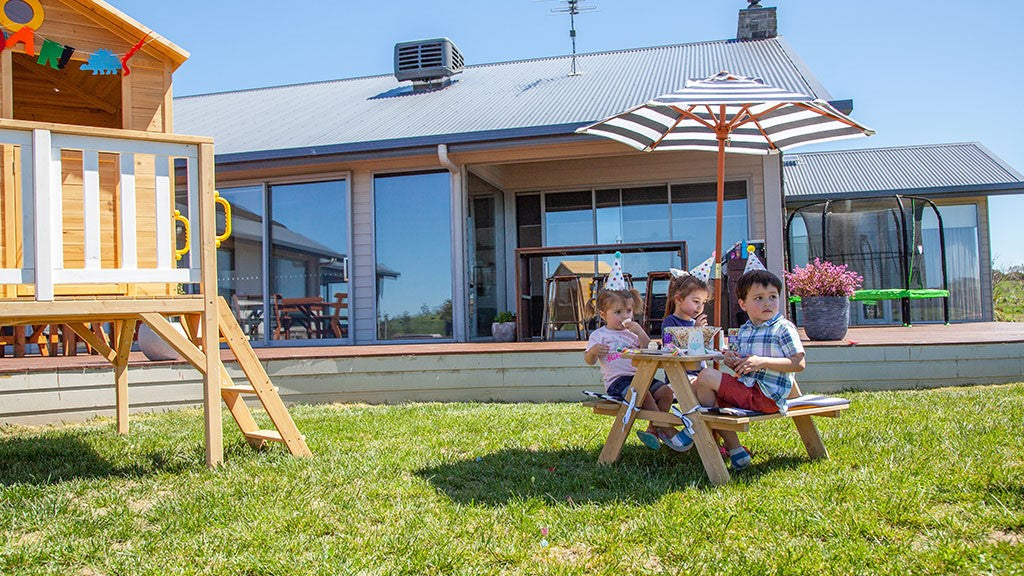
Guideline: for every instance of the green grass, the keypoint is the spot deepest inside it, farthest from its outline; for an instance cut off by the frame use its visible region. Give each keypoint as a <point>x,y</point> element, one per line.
<point>919,482</point>
<point>1008,294</point>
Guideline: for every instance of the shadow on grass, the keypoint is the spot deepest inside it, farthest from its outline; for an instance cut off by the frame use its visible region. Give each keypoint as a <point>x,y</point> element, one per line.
<point>50,459</point>
<point>573,476</point>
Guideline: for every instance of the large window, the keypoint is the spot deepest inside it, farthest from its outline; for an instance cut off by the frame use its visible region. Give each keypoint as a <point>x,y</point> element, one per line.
<point>643,214</point>
<point>286,277</point>
<point>413,247</point>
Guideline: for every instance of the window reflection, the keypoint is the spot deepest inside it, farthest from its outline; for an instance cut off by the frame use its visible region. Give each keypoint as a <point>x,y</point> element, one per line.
<point>307,260</point>
<point>308,255</point>
<point>412,235</point>
<point>693,217</point>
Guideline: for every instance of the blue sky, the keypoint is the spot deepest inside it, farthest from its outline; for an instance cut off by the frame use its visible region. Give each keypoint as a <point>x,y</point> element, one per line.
<point>918,72</point>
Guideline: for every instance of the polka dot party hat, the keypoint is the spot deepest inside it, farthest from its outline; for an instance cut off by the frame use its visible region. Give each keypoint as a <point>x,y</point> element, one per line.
<point>753,262</point>
<point>615,280</point>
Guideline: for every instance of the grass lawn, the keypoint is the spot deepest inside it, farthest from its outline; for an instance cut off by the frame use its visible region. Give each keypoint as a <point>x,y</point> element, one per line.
<point>919,482</point>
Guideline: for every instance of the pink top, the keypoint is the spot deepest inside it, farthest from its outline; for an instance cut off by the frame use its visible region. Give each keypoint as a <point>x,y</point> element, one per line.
<point>614,366</point>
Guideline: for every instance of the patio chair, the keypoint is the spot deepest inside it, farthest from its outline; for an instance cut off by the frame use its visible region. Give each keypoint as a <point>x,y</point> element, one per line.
<point>655,302</point>
<point>564,305</point>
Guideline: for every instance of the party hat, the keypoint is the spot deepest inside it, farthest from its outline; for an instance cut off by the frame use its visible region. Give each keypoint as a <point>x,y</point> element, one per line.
<point>615,280</point>
<point>703,270</point>
<point>753,262</point>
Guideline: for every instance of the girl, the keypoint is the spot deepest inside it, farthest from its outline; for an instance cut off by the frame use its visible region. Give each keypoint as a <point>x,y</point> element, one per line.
<point>616,309</point>
<point>684,305</point>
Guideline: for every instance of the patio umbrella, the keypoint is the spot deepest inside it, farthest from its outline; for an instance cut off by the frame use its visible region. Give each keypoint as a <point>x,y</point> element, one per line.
<point>730,113</point>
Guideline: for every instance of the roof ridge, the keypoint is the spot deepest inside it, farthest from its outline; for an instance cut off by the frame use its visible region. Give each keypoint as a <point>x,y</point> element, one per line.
<point>876,149</point>
<point>482,65</point>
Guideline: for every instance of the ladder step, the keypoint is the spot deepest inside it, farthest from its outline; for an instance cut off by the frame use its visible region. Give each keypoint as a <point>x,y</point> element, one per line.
<point>241,389</point>
<point>269,435</point>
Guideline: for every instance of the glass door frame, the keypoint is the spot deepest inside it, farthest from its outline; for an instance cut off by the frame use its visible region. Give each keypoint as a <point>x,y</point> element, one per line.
<point>498,197</point>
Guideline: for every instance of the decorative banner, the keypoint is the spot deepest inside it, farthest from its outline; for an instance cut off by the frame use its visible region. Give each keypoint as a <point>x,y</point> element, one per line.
<point>134,49</point>
<point>26,16</point>
<point>103,62</point>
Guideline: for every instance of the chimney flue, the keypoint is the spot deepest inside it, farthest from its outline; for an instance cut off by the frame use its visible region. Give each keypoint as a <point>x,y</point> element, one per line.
<point>757,21</point>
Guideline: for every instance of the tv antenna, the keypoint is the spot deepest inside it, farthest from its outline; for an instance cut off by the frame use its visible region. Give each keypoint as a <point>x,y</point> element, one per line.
<point>573,8</point>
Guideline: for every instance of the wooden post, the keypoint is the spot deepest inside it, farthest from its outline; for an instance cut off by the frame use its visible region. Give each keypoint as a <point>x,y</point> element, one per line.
<point>210,333</point>
<point>124,346</point>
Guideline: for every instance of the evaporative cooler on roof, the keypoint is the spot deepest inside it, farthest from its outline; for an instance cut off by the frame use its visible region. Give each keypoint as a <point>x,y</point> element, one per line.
<point>427,60</point>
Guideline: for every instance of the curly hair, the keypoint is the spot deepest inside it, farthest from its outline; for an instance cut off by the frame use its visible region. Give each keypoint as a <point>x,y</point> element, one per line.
<point>608,298</point>
<point>683,286</point>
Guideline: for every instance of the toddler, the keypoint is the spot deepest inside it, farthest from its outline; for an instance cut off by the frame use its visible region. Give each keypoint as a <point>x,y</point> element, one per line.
<point>616,309</point>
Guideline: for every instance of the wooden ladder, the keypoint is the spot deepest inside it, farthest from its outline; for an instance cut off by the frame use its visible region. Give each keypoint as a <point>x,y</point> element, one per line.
<point>260,386</point>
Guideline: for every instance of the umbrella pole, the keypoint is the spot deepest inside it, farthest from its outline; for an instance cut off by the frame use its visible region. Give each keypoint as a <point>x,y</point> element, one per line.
<point>720,201</point>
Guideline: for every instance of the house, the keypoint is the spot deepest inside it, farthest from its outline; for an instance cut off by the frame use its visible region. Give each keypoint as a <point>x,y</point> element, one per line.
<point>441,171</point>
<point>957,178</point>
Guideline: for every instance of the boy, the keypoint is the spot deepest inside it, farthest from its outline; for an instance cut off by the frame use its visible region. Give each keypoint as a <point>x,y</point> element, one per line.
<point>767,353</point>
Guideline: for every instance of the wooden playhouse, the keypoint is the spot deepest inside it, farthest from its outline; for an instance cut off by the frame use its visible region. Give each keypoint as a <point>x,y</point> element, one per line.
<point>108,216</point>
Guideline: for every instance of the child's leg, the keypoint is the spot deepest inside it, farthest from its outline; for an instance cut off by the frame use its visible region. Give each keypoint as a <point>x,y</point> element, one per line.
<point>663,400</point>
<point>706,386</point>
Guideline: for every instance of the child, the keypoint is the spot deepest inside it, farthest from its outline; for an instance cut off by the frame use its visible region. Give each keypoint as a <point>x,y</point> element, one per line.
<point>684,305</point>
<point>767,354</point>
<point>620,331</point>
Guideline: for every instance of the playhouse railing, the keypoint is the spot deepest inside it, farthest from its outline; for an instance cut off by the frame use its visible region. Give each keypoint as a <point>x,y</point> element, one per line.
<point>42,206</point>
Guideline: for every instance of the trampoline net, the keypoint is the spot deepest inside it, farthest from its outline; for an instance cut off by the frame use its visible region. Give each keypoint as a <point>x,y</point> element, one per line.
<point>870,237</point>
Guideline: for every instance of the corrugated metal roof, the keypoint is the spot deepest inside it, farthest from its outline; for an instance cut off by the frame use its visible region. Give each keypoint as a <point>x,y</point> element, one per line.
<point>935,169</point>
<point>486,102</point>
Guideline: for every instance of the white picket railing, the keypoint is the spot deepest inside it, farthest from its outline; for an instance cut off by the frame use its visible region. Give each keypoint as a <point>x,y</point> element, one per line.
<point>43,208</point>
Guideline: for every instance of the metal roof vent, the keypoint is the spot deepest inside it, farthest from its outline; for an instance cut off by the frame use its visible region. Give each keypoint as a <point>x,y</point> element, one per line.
<point>427,61</point>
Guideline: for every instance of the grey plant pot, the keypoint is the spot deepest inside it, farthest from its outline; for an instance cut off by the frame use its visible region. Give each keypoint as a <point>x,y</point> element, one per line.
<point>503,331</point>
<point>825,317</point>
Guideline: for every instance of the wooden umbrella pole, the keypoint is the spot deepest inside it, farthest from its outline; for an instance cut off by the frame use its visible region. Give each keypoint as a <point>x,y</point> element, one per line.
<point>722,133</point>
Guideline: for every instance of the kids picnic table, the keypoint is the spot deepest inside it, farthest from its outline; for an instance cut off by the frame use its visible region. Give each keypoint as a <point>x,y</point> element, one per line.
<point>647,365</point>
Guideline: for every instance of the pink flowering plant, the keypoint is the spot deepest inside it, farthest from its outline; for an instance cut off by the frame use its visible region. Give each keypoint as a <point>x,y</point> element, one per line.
<point>822,278</point>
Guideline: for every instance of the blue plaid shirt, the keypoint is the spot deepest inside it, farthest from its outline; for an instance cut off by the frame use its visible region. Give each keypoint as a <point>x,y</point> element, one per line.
<point>776,338</point>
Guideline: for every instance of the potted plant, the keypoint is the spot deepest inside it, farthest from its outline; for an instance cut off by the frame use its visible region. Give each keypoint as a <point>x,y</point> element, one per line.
<point>504,327</point>
<point>824,290</point>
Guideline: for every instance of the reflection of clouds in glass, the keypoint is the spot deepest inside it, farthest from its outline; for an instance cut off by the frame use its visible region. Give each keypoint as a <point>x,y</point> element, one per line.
<point>413,237</point>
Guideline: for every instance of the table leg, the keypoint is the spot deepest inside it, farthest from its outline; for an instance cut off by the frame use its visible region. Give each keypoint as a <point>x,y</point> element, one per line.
<point>710,457</point>
<point>623,422</point>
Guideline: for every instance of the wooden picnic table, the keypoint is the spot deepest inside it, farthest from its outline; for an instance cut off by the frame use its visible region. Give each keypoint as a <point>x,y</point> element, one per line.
<point>647,365</point>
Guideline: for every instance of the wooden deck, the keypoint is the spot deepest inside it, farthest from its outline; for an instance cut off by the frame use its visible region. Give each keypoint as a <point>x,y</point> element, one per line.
<point>38,389</point>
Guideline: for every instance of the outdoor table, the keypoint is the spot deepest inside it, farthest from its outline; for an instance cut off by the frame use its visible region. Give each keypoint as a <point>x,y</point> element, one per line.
<point>647,365</point>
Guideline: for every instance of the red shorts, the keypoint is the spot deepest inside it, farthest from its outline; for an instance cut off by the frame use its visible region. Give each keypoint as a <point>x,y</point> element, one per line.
<point>735,394</point>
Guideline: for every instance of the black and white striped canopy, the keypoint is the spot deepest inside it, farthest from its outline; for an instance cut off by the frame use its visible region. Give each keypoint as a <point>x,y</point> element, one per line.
<point>757,118</point>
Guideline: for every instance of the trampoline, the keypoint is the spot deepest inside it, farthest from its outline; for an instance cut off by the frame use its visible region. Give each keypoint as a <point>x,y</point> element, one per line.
<point>878,237</point>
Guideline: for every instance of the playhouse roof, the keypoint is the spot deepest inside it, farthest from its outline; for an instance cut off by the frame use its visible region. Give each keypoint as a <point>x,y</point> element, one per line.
<point>130,29</point>
<point>932,169</point>
<point>486,102</point>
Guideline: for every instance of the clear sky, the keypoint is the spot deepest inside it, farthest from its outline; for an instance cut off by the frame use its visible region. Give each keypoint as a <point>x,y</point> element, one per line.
<point>917,72</point>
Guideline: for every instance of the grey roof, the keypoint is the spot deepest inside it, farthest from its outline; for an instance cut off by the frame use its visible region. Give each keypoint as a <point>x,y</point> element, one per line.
<point>934,169</point>
<point>486,102</point>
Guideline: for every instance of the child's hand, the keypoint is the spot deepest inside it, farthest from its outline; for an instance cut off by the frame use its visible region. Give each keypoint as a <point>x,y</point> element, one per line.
<point>701,320</point>
<point>600,350</point>
<point>732,359</point>
<point>750,364</point>
<point>632,327</point>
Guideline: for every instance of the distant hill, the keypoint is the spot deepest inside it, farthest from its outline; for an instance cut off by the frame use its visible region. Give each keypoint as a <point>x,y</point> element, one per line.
<point>1008,294</point>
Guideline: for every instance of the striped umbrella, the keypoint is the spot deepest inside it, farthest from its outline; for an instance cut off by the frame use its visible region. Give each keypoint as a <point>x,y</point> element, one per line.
<point>727,113</point>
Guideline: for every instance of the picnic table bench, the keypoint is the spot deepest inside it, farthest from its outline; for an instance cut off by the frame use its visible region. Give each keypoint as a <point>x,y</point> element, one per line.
<point>802,408</point>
